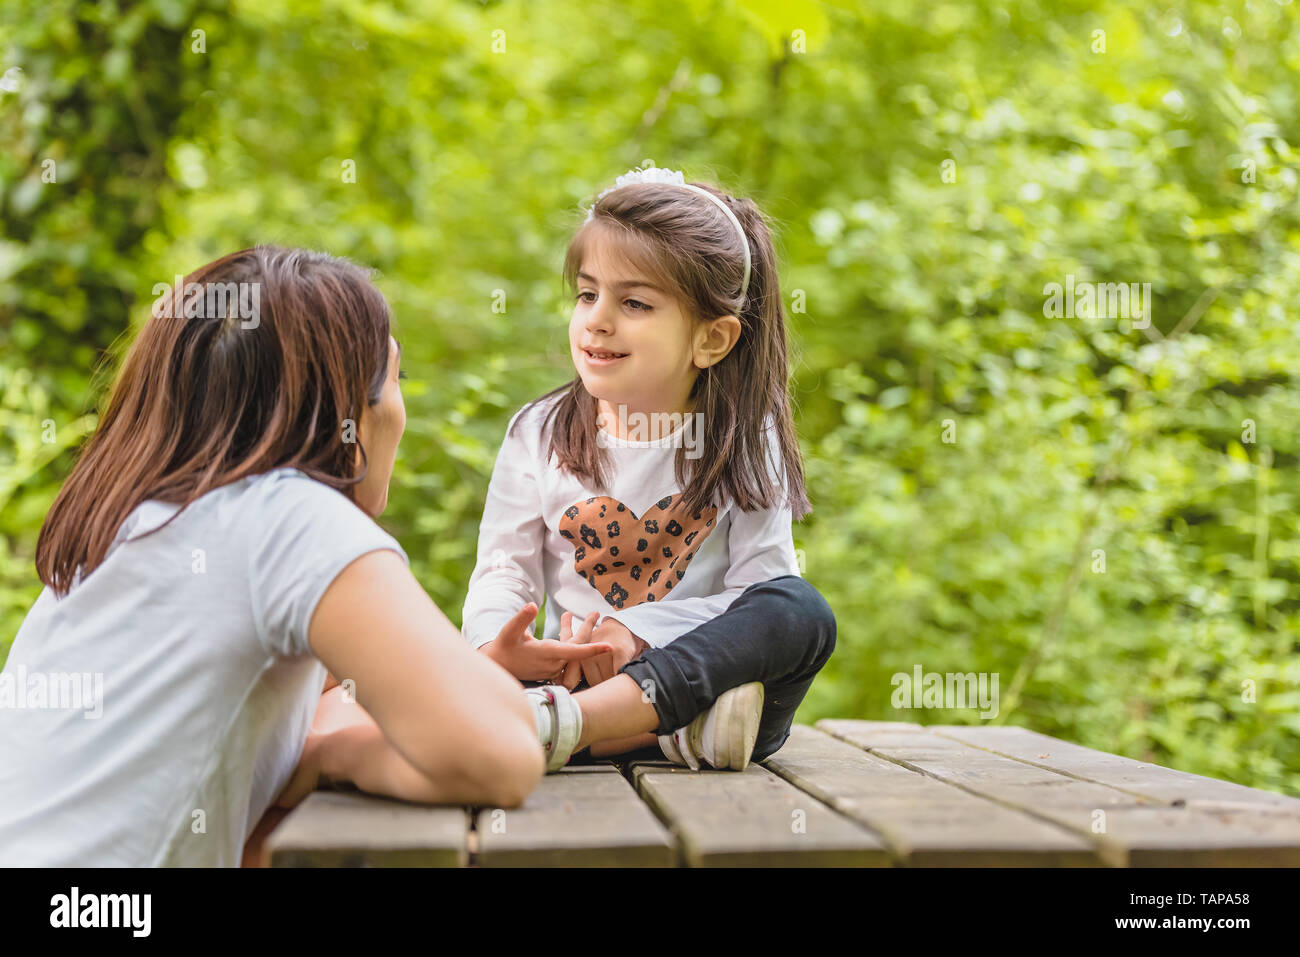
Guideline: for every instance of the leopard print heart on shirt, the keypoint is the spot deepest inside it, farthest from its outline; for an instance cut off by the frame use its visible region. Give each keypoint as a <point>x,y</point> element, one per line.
<point>629,559</point>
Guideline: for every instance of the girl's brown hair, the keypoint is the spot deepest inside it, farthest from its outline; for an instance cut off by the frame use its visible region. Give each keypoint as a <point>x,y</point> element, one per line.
<point>208,394</point>
<point>685,241</point>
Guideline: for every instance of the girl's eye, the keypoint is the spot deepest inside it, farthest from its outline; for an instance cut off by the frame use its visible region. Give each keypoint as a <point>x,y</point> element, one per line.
<point>582,296</point>
<point>637,304</point>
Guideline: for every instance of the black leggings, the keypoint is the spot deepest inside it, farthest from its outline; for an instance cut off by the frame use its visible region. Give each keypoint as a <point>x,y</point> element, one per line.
<point>780,632</point>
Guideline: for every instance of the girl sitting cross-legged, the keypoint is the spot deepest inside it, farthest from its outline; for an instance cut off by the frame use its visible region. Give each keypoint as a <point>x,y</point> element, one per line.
<point>649,501</point>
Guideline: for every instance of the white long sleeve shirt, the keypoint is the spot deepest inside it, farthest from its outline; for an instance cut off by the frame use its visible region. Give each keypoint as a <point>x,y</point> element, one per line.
<point>633,554</point>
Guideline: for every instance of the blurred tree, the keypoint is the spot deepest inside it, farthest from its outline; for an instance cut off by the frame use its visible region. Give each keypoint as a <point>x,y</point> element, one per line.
<point>92,95</point>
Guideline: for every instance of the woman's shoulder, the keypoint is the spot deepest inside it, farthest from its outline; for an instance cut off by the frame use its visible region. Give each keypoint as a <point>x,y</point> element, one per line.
<point>245,502</point>
<point>284,484</point>
<point>289,480</point>
<point>300,533</point>
<point>283,497</point>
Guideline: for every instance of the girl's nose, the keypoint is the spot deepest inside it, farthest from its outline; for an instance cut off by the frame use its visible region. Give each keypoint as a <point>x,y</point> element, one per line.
<point>600,317</point>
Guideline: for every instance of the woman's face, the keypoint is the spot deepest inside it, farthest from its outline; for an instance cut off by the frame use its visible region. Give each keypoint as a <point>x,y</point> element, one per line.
<point>379,431</point>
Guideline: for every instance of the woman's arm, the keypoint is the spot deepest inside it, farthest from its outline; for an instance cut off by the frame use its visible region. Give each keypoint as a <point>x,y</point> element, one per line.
<point>347,744</point>
<point>449,726</point>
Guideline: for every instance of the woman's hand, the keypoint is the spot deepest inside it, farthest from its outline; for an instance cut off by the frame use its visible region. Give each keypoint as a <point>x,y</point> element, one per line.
<point>336,709</point>
<point>306,776</point>
<point>305,779</point>
<point>516,650</point>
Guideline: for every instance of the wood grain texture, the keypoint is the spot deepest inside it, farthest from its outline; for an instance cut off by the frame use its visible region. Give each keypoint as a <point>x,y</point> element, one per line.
<point>1152,781</point>
<point>848,793</point>
<point>352,829</point>
<point>753,818</point>
<point>586,816</point>
<point>1128,830</point>
<point>924,821</point>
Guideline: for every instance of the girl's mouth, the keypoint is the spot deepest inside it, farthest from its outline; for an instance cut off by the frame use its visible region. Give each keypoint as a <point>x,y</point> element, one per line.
<point>603,357</point>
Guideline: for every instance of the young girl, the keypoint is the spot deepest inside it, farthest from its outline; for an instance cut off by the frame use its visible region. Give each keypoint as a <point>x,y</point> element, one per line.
<point>652,496</point>
<point>213,552</point>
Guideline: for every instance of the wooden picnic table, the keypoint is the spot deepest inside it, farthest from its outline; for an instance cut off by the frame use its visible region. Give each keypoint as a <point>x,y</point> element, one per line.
<point>842,793</point>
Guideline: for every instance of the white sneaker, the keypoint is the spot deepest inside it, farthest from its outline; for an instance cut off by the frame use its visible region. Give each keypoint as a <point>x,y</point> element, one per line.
<point>722,737</point>
<point>559,723</point>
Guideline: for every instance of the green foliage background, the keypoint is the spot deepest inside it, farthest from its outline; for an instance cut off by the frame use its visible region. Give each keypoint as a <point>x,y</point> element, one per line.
<point>1167,157</point>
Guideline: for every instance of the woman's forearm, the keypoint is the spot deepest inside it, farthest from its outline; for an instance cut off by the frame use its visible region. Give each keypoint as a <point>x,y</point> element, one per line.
<point>361,754</point>
<point>463,729</point>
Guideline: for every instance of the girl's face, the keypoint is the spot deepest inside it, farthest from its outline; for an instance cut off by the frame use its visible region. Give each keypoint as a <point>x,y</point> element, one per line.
<point>632,342</point>
<point>380,428</point>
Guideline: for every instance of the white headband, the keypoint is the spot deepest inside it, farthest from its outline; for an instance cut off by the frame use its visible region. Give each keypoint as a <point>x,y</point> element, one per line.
<point>670,177</point>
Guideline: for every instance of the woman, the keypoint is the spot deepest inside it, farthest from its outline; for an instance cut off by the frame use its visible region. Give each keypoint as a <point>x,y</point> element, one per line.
<point>211,555</point>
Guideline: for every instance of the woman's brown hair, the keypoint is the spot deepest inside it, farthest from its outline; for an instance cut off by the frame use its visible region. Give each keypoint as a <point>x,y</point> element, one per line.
<point>211,392</point>
<point>684,240</point>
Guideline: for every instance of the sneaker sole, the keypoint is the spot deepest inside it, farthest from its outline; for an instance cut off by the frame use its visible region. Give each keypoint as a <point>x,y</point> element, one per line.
<point>727,734</point>
<point>676,750</point>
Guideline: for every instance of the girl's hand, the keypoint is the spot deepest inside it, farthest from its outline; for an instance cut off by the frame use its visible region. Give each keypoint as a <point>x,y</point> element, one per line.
<point>572,672</point>
<point>625,647</point>
<point>528,659</point>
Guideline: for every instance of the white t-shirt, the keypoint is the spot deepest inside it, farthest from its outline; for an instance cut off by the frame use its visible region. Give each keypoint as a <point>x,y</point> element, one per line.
<point>631,553</point>
<point>179,684</point>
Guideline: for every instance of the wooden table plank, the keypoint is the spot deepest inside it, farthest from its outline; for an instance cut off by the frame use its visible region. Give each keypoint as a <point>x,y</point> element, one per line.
<point>753,819</point>
<point>924,821</point>
<point>353,829</point>
<point>1129,830</point>
<point>1152,781</point>
<point>586,816</point>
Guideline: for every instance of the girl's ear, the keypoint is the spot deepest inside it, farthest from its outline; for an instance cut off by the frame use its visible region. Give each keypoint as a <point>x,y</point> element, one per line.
<point>714,339</point>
